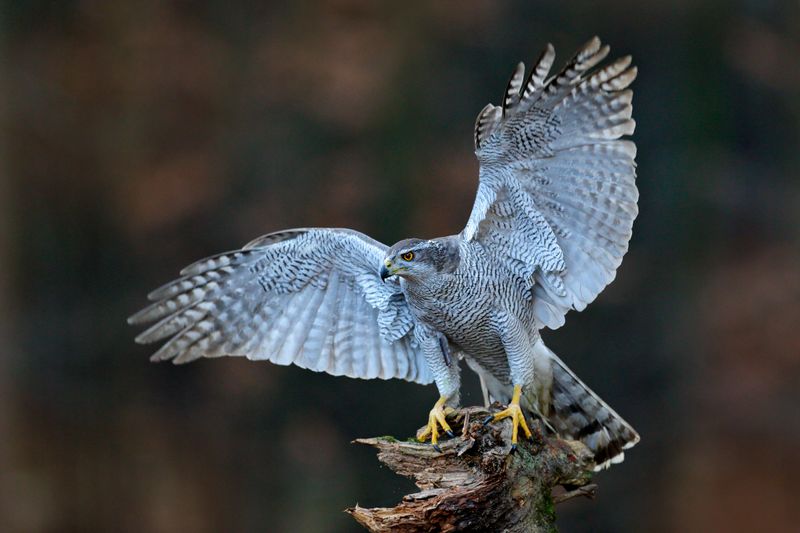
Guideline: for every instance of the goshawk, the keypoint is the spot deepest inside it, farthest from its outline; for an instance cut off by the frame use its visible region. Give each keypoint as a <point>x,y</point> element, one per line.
<point>551,221</point>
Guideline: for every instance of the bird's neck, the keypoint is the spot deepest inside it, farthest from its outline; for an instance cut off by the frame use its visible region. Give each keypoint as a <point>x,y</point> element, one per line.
<point>417,289</point>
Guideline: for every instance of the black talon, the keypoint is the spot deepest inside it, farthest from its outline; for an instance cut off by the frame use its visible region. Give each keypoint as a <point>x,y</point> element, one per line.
<point>449,433</point>
<point>513,448</point>
<point>436,447</point>
<point>488,419</point>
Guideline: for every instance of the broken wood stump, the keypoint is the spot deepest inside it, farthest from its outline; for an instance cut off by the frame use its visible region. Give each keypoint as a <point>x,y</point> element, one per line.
<point>477,483</point>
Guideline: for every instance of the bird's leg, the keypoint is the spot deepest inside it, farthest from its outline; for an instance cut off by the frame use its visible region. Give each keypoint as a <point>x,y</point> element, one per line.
<point>513,411</point>
<point>436,418</point>
<point>445,370</point>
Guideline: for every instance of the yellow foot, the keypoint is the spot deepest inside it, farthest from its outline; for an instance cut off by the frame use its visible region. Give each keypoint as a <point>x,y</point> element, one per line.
<point>436,418</point>
<point>514,412</point>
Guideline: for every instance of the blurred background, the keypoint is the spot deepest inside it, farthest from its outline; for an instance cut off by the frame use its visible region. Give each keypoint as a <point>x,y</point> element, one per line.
<point>140,136</point>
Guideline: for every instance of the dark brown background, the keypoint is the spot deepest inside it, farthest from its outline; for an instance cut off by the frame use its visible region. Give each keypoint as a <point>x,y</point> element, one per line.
<point>140,136</point>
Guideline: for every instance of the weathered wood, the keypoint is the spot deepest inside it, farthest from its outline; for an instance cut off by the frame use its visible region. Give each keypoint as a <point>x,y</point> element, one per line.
<point>477,483</point>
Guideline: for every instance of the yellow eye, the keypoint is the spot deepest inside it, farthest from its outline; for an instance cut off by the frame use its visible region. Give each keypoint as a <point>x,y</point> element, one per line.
<point>408,256</point>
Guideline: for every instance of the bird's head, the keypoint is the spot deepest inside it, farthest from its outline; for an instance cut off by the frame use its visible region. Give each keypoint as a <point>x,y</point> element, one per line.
<point>418,259</point>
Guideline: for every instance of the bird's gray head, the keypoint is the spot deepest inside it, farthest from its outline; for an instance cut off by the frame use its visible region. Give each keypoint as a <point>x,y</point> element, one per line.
<point>418,259</point>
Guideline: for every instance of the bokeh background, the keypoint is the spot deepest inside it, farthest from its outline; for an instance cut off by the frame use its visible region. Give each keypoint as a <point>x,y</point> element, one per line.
<point>140,136</point>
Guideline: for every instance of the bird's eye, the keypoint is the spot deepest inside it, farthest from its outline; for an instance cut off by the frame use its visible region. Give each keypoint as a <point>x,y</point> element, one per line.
<point>408,256</point>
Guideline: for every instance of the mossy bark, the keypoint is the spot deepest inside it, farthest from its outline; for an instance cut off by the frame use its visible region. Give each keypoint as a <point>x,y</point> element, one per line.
<point>477,483</point>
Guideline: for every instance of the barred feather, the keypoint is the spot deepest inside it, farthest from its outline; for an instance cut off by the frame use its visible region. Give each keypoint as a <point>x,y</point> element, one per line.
<point>566,405</point>
<point>512,96</point>
<point>577,413</point>
<point>538,74</point>
<point>309,297</point>
<point>560,142</point>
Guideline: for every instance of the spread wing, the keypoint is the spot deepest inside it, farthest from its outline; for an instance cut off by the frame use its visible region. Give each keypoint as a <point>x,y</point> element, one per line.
<point>557,194</point>
<point>309,297</point>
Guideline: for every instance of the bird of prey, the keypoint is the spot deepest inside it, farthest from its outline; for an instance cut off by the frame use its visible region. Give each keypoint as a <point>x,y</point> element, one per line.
<point>551,222</point>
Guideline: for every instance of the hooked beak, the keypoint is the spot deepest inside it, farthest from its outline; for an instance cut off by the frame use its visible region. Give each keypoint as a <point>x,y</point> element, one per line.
<point>385,273</point>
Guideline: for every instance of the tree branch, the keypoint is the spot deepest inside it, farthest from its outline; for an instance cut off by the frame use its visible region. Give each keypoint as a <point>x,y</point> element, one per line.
<point>477,483</point>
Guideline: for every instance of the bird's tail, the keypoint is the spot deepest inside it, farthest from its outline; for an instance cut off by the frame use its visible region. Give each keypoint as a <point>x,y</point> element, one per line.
<point>567,406</point>
<point>577,413</point>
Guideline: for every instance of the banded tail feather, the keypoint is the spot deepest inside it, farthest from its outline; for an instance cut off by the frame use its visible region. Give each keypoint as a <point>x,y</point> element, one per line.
<point>576,412</point>
<point>566,406</point>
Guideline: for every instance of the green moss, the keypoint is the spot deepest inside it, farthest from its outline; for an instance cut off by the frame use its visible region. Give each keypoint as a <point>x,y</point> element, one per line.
<point>546,512</point>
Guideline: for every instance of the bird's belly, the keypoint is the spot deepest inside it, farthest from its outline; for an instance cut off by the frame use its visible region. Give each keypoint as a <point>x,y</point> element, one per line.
<point>484,347</point>
<point>469,326</point>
